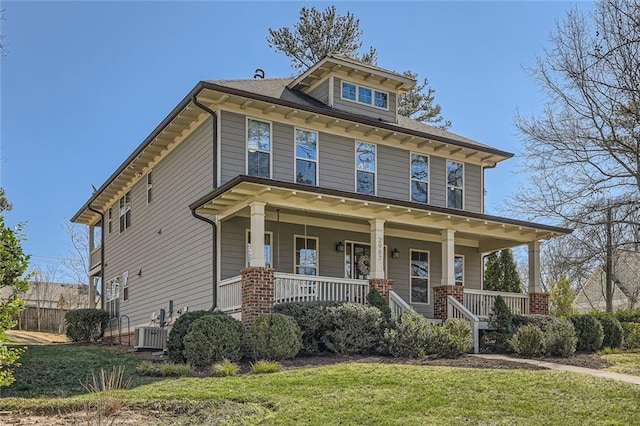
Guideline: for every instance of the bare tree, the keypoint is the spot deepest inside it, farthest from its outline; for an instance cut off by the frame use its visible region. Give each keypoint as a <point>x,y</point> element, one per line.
<point>583,152</point>
<point>76,262</point>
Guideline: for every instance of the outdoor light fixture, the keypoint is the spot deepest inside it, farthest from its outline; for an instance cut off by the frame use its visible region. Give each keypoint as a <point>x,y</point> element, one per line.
<point>340,247</point>
<point>395,253</point>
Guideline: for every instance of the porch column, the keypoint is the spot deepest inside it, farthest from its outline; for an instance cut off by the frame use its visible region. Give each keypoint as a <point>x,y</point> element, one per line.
<point>448,254</point>
<point>377,249</point>
<point>257,234</point>
<point>534,267</point>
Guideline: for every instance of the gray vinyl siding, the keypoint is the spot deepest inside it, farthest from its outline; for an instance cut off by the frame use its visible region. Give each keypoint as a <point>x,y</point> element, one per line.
<point>472,267</point>
<point>473,188</point>
<point>438,181</point>
<point>363,109</point>
<point>171,248</point>
<point>232,146</point>
<point>337,162</point>
<point>321,92</point>
<point>283,147</point>
<point>393,172</point>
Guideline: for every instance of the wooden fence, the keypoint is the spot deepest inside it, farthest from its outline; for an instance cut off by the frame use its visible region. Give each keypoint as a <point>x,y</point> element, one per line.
<point>51,320</point>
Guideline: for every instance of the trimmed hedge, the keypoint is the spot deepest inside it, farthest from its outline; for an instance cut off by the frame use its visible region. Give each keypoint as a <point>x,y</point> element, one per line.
<point>274,337</point>
<point>313,320</point>
<point>588,331</point>
<point>353,329</point>
<point>559,333</point>
<point>612,331</point>
<point>528,341</point>
<point>212,338</point>
<point>86,325</point>
<point>631,334</point>
<point>627,315</point>
<point>410,337</point>
<point>458,338</point>
<point>175,341</point>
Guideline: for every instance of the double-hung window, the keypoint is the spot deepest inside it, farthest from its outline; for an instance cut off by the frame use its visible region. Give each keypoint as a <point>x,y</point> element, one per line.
<point>125,211</point>
<point>258,148</point>
<point>458,269</point>
<point>268,237</point>
<point>364,95</point>
<point>112,297</point>
<point>109,217</point>
<point>365,168</point>
<point>419,178</point>
<point>419,271</point>
<point>149,187</point>
<point>455,184</point>
<point>306,157</point>
<point>306,255</point>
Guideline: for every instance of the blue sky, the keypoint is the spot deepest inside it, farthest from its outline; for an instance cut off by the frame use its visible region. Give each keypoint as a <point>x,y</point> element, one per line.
<point>83,83</point>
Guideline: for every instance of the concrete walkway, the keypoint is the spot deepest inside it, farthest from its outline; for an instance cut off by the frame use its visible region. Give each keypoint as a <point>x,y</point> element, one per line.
<point>572,368</point>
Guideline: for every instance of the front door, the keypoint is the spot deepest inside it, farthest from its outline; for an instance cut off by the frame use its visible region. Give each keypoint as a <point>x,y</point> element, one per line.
<point>357,260</point>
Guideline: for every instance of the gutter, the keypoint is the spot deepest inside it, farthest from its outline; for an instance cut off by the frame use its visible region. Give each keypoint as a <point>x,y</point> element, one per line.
<point>214,226</point>
<point>102,265</point>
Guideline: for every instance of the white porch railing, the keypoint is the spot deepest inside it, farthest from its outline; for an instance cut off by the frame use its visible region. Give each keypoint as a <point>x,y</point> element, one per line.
<point>480,302</point>
<point>230,294</point>
<point>303,288</point>
<point>397,305</point>
<point>455,309</point>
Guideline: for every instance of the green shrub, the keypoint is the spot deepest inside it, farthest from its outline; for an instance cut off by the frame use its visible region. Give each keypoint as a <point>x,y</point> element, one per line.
<point>375,299</point>
<point>175,341</point>
<point>542,321</point>
<point>560,338</point>
<point>264,367</point>
<point>86,325</point>
<point>457,338</point>
<point>213,338</point>
<point>225,368</point>
<point>588,331</point>
<point>410,336</point>
<point>528,341</point>
<point>612,331</point>
<point>313,320</point>
<point>163,369</point>
<point>627,315</point>
<point>353,329</point>
<point>501,322</point>
<point>274,337</point>
<point>631,334</point>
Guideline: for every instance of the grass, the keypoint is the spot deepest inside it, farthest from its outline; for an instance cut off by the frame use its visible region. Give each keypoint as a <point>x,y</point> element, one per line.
<point>381,394</point>
<point>626,362</point>
<point>264,367</point>
<point>163,369</point>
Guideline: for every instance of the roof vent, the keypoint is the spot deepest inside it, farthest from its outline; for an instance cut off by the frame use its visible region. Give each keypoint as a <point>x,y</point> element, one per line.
<point>259,73</point>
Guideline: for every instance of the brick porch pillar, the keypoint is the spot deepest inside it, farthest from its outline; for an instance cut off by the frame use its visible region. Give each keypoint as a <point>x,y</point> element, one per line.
<point>440,299</point>
<point>382,286</point>
<point>539,303</point>
<point>257,293</point>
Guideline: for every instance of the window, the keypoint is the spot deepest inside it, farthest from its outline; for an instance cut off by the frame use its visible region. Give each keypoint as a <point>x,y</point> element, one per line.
<point>455,184</point>
<point>306,255</point>
<point>306,157</point>
<point>149,187</point>
<point>259,148</point>
<point>112,297</point>
<point>419,276</point>
<point>419,178</point>
<point>458,269</point>
<point>125,211</point>
<point>109,221</point>
<point>125,285</point>
<point>365,168</point>
<point>365,95</point>
<point>268,237</point>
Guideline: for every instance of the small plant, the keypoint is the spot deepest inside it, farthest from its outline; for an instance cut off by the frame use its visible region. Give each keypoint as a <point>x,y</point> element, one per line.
<point>86,325</point>
<point>264,367</point>
<point>164,369</point>
<point>631,334</point>
<point>225,368</point>
<point>528,341</point>
<point>104,387</point>
<point>354,329</point>
<point>588,331</point>
<point>213,338</point>
<point>274,337</point>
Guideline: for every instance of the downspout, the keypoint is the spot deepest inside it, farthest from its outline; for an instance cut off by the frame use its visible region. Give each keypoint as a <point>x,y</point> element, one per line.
<point>214,227</point>
<point>102,265</point>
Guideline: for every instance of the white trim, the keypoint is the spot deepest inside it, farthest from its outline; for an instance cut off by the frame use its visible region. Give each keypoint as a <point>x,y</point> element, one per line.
<point>246,248</point>
<point>246,145</point>
<point>375,166</point>
<point>295,263</point>
<point>482,189</point>
<point>296,158</point>
<point>357,99</point>
<point>446,181</point>
<point>411,179</point>
<point>411,276</point>
<point>109,221</point>
<point>331,89</point>
<point>218,154</point>
<point>463,269</point>
<point>125,285</point>
<point>150,186</point>
<point>218,246</point>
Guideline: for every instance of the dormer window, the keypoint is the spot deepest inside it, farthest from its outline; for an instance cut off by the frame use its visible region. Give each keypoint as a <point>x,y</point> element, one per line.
<point>365,95</point>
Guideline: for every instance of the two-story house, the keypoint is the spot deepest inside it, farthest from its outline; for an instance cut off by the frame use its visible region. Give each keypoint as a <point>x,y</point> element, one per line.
<point>254,192</point>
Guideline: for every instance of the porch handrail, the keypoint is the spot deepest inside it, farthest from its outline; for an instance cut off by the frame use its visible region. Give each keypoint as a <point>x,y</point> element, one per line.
<point>398,305</point>
<point>481,302</point>
<point>455,309</point>
<point>230,294</point>
<point>303,288</point>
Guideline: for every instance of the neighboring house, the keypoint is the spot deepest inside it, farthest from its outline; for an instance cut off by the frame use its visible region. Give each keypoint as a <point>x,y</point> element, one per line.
<point>626,289</point>
<point>258,191</point>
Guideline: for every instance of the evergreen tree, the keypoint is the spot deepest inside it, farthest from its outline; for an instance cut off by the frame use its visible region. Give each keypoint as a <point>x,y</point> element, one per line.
<point>561,297</point>
<point>319,33</point>
<point>501,273</point>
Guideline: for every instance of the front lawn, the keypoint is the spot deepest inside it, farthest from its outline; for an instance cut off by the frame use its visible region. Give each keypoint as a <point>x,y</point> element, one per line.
<point>627,362</point>
<point>358,393</point>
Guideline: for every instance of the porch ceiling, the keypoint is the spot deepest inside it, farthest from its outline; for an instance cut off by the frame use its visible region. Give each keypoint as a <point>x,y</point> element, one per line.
<point>403,218</point>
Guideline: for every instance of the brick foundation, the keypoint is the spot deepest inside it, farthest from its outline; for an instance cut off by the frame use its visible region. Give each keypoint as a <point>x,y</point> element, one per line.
<point>440,299</point>
<point>257,293</point>
<point>539,303</point>
<point>382,286</point>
